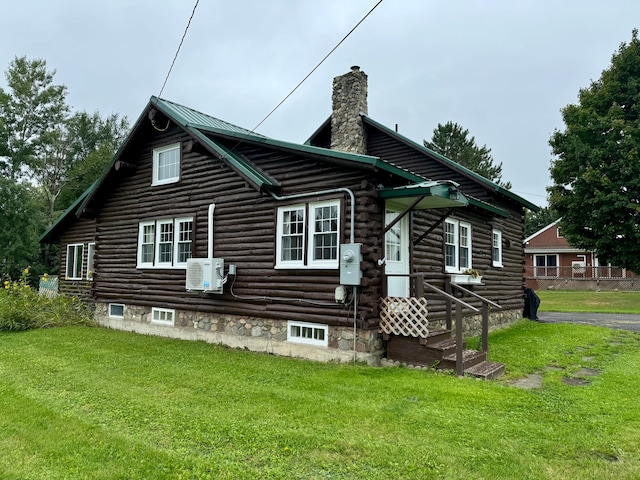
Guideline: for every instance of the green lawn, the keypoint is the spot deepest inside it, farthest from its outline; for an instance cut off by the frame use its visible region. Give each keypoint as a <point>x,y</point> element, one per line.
<point>82,402</point>
<point>589,301</point>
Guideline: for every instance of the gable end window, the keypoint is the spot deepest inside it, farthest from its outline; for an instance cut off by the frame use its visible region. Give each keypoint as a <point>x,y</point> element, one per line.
<point>75,252</point>
<point>457,246</point>
<point>165,243</point>
<point>496,249</point>
<point>166,164</point>
<point>308,235</point>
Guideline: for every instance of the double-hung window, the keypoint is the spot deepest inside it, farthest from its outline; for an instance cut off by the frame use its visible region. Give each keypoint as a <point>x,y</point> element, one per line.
<point>75,253</point>
<point>308,235</point>
<point>496,249</point>
<point>166,164</point>
<point>165,243</point>
<point>457,246</point>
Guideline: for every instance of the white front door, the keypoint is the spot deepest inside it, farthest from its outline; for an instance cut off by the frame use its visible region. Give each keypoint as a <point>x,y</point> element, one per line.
<point>396,251</point>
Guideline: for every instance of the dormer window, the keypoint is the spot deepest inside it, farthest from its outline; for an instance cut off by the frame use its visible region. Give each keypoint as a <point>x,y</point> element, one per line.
<point>166,164</point>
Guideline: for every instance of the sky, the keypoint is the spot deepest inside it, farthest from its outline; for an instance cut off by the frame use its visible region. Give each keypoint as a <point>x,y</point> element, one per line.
<point>502,69</point>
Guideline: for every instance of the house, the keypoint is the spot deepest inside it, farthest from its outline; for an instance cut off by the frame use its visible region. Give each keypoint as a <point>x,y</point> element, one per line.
<point>551,262</point>
<point>200,229</point>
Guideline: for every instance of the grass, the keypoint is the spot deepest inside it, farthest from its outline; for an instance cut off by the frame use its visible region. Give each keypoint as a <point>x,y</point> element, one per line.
<point>81,402</point>
<point>589,301</point>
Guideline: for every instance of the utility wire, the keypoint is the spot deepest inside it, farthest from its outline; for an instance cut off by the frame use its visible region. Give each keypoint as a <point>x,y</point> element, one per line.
<point>179,47</point>
<point>316,67</point>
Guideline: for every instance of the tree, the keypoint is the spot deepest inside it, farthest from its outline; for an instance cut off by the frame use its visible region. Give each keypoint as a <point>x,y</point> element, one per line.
<point>21,222</point>
<point>32,108</point>
<point>452,141</point>
<point>94,142</point>
<point>596,172</point>
<point>74,155</point>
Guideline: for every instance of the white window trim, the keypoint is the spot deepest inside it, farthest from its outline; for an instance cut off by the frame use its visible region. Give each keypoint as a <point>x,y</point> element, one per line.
<point>156,159</point>
<point>157,261</point>
<point>279,235</point>
<point>174,264</point>
<point>456,268</point>
<point>91,251</point>
<point>307,261</point>
<point>496,263</point>
<point>111,315</point>
<point>307,341</point>
<point>69,275</point>
<point>166,323</point>
<point>312,263</point>
<point>176,239</point>
<point>141,226</point>
<point>545,269</point>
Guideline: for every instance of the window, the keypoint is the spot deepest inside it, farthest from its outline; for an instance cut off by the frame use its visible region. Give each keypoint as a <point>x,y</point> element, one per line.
<point>166,164</point>
<point>496,249</point>
<point>75,253</point>
<point>323,250</point>
<point>116,310</point>
<point>546,265</point>
<point>307,235</point>
<point>291,223</point>
<point>165,243</point>
<point>309,333</point>
<point>457,246</point>
<point>162,316</point>
<point>91,250</point>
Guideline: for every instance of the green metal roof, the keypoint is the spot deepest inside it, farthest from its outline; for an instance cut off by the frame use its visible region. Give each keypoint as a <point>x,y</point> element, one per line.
<point>454,165</point>
<point>438,194</point>
<point>187,116</point>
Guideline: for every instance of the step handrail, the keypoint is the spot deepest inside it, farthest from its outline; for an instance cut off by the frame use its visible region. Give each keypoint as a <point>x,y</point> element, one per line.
<point>485,314</point>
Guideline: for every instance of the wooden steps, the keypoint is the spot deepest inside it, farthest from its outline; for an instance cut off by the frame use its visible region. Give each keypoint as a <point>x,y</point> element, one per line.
<point>439,350</point>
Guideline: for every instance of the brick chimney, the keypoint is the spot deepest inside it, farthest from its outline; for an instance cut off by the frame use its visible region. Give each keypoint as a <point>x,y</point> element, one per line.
<point>349,99</point>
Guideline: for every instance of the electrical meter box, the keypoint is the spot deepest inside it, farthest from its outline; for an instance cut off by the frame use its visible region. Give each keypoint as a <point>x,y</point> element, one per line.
<point>350,258</point>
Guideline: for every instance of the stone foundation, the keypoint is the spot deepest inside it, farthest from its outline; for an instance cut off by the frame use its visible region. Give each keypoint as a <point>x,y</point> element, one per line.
<point>252,333</point>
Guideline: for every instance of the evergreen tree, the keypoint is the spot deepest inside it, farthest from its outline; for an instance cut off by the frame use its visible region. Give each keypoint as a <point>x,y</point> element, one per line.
<point>453,142</point>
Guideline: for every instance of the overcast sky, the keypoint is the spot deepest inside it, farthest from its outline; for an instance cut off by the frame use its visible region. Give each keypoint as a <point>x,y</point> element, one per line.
<point>501,69</point>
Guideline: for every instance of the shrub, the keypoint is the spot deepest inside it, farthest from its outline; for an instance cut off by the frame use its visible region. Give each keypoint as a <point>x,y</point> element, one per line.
<point>22,308</point>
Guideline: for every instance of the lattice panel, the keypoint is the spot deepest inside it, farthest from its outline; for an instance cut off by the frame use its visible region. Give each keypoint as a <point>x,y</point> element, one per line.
<point>404,316</point>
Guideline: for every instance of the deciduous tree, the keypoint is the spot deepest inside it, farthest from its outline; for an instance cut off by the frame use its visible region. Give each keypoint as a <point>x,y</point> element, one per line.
<point>596,171</point>
<point>31,108</point>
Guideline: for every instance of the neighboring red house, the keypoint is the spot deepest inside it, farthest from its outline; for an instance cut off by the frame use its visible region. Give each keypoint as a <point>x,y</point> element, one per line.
<point>550,261</point>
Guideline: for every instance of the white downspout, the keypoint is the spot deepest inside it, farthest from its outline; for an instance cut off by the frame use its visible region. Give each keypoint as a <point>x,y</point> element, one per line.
<point>212,208</point>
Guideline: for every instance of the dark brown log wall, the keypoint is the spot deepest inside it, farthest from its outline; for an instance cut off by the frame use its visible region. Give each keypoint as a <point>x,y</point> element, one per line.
<point>244,235</point>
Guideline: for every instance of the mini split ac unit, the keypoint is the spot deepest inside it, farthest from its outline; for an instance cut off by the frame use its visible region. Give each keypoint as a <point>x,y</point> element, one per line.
<point>205,274</point>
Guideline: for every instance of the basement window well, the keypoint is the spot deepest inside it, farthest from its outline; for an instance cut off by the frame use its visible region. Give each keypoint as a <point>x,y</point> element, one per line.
<point>308,333</point>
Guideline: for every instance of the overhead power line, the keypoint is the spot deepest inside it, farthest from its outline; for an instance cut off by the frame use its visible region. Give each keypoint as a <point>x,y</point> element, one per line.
<point>179,47</point>
<point>316,67</point>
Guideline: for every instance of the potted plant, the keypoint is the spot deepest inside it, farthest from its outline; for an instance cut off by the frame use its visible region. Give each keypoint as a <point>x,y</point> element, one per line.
<point>470,276</point>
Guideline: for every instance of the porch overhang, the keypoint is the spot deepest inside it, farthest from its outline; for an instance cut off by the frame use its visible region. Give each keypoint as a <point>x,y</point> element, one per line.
<point>421,196</point>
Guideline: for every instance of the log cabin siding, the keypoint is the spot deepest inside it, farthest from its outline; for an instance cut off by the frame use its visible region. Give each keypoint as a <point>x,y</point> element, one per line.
<point>244,235</point>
